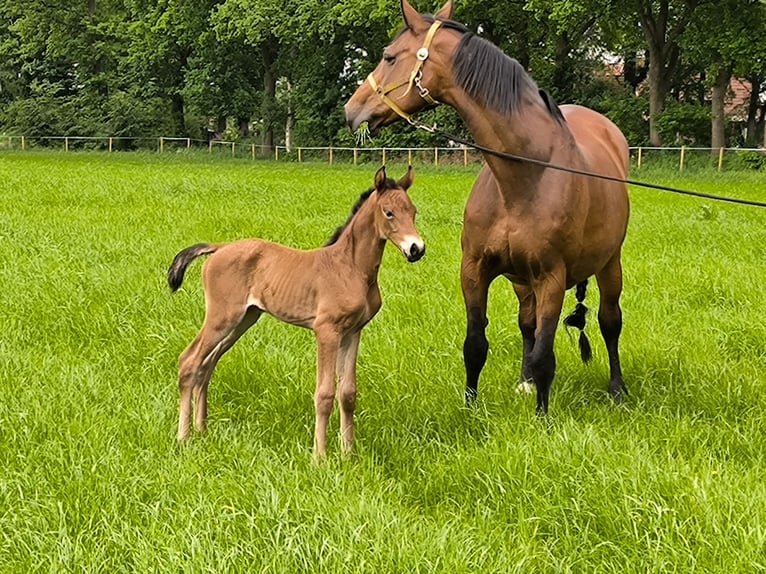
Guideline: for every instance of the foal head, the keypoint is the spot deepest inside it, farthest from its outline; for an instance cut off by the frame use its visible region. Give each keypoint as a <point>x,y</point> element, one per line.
<point>395,214</point>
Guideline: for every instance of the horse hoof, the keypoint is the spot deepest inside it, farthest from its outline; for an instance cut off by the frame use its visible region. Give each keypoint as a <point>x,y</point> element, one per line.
<point>525,388</point>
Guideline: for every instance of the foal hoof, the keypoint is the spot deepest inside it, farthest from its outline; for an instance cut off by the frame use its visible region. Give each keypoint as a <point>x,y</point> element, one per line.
<point>525,388</point>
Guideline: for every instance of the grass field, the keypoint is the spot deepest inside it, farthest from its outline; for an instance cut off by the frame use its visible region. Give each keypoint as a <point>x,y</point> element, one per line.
<point>91,478</point>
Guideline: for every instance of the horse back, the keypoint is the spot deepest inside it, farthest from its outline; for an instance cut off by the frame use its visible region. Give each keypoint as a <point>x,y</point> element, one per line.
<point>601,142</point>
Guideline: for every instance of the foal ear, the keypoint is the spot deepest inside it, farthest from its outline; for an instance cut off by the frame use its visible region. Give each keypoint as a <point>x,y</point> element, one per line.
<point>446,12</point>
<point>380,180</point>
<point>407,179</point>
<point>412,17</point>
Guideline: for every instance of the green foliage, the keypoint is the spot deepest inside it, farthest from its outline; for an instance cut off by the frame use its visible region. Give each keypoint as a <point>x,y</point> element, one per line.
<point>92,480</point>
<point>752,159</point>
<point>71,67</point>
<point>630,113</point>
<point>684,123</point>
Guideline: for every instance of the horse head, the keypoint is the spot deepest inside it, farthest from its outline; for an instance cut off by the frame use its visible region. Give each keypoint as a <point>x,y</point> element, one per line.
<point>395,214</point>
<point>412,74</point>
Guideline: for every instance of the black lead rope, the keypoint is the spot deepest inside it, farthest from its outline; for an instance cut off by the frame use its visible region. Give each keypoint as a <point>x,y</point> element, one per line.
<point>519,158</point>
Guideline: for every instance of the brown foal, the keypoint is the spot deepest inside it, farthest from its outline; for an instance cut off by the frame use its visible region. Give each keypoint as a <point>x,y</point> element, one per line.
<point>332,290</point>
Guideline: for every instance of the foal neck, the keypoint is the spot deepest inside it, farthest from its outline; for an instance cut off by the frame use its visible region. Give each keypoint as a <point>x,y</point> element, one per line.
<point>361,243</point>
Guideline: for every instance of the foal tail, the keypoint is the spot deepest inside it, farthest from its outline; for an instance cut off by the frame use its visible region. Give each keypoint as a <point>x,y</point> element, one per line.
<point>183,258</point>
<point>577,319</point>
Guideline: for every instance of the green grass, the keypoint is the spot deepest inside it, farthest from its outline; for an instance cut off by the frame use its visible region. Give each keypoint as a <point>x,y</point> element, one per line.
<point>91,478</point>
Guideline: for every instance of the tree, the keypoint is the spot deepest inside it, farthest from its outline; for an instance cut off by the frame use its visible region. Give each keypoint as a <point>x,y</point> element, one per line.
<point>724,39</point>
<point>662,22</point>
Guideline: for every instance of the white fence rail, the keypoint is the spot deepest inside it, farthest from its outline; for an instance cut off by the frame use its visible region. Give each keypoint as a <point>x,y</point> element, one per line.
<point>454,155</point>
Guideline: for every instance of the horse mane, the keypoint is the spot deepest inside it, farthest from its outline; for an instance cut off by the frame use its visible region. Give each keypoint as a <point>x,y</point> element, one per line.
<point>492,77</point>
<point>390,184</point>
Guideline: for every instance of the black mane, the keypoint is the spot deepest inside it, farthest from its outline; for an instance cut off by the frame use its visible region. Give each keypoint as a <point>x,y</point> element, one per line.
<point>390,184</point>
<point>490,76</point>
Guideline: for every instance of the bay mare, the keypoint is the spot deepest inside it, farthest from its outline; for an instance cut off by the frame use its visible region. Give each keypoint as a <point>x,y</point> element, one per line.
<point>544,230</point>
<point>332,290</point>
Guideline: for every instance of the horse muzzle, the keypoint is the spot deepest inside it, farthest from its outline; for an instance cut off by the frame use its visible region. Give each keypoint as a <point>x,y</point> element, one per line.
<point>414,252</point>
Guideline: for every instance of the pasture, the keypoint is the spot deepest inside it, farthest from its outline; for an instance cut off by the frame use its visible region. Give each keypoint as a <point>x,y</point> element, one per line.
<point>91,478</point>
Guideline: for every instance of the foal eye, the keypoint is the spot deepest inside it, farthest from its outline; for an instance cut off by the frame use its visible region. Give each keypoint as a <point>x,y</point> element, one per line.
<point>388,214</point>
<point>389,59</point>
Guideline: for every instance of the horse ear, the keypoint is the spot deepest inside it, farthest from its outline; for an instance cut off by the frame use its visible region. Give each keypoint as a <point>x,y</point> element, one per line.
<point>412,17</point>
<point>407,179</point>
<point>380,180</point>
<point>446,12</point>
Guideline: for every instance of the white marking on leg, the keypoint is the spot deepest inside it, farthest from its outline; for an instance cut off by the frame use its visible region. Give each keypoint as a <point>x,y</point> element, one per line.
<point>526,388</point>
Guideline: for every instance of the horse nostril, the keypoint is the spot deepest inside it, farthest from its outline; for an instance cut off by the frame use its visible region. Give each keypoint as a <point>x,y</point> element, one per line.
<point>416,252</point>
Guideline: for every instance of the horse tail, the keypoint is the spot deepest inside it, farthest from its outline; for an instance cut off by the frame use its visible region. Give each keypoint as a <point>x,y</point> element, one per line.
<point>182,260</point>
<point>577,319</point>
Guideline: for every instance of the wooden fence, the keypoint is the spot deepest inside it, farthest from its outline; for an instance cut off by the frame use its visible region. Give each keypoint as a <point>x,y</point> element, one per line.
<point>452,155</point>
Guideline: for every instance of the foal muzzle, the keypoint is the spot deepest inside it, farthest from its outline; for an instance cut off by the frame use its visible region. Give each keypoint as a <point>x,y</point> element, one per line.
<point>415,252</point>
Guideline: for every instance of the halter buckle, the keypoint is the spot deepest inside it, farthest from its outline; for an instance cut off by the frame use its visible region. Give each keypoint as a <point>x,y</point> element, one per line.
<point>422,54</point>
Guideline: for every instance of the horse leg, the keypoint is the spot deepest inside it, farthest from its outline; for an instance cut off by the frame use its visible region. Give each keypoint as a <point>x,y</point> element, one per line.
<point>328,342</point>
<point>542,360</point>
<point>527,324</point>
<point>610,321</point>
<point>198,361</point>
<point>346,370</point>
<point>475,286</point>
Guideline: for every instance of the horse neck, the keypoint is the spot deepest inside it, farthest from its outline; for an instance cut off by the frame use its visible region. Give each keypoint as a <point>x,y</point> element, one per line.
<point>530,132</point>
<point>360,243</point>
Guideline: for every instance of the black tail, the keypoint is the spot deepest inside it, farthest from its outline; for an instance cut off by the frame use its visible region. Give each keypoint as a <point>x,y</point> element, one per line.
<point>181,262</point>
<point>577,319</point>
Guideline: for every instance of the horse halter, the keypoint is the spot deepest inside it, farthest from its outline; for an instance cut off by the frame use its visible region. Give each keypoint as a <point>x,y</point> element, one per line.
<point>415,79</point>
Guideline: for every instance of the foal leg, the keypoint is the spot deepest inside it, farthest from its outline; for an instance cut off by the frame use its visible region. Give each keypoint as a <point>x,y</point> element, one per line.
<point>527,324</point>
<point>542,361</point>
<point>610,321</point>
<point>328,341</point>
<point>198,361</point>
<point>346,369</point>
<point>475,285</point>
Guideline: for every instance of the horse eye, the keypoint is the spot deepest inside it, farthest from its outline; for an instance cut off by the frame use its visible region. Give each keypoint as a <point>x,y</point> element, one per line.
<point>388,214</point>
<point>389,59</point>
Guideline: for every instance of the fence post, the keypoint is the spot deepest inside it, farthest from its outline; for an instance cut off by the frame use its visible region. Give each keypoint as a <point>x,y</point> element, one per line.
<point>639,158</point>
<point>409,157</point>
<point>720,159</point>
<point>330,155</point>
<point>355,156</point>
<point>253,150</point>
<point>162,145</point>
<point>465,156</point>
<point>384,156</point>
<point>276,153</point>
<point>110,145</point>
<point>300,156</point>
<point>23,143</point>
<point>232,148</point>
<point>436,156</point>
<point>683,153</point>
<point>188,144</point>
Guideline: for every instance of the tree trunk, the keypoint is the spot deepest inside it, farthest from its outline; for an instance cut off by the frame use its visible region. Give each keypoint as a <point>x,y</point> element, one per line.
<point>657,92</point>
<point>752,110</point>
<point>177,113</point>
<point>662,31</point>
<point>244,127</point>
<point>269,52</point>
<point>290,123</point>
<point>718,99</point>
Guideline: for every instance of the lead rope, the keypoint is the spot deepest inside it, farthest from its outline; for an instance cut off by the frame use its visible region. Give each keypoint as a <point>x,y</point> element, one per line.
<point>415,79</point>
